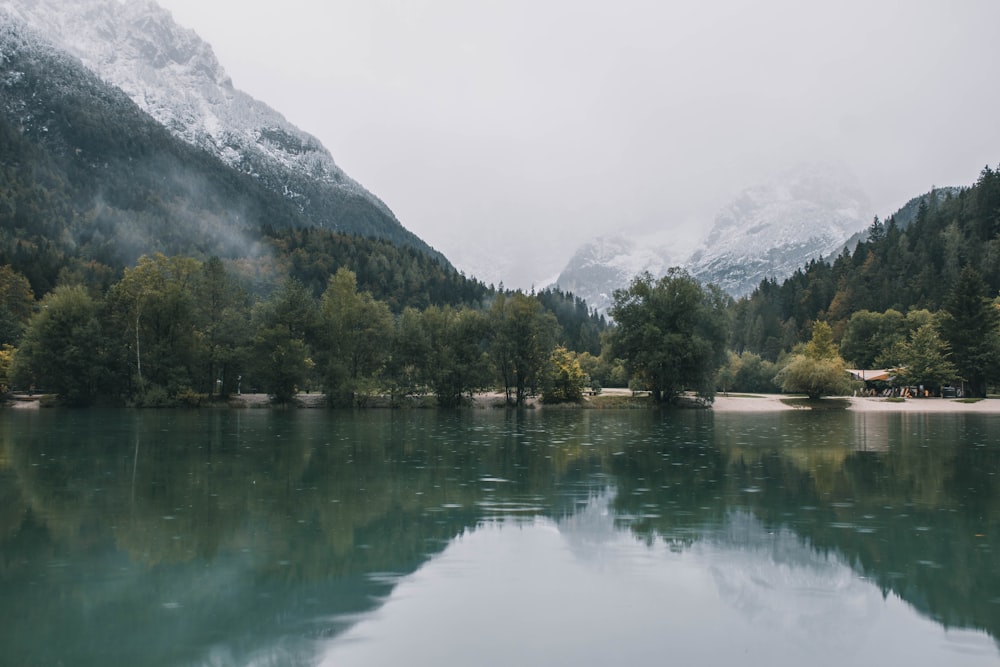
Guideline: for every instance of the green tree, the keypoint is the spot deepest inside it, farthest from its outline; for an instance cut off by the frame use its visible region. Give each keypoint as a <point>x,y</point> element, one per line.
<point>523,337</point>
<point>671,332</point>
<point>747,371</point>
<point>356,339</point>
<point>154,306</point>
<point>406,369</point>
<point>923,360</point>
<point>6,365</point>
<point>17,303</point>
<point>62,348</point>
<point>282,361</point>
<point>876,232</point>
<point>222,325</point>
<point>970,324</point>
<point>868,335</point>
<point>281,354</point>
<point>817,369</point>
<point>596,368</point>
<point>454,362</point>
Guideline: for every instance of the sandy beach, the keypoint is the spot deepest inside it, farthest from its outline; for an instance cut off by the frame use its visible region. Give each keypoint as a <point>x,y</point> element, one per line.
<point>774,402</point>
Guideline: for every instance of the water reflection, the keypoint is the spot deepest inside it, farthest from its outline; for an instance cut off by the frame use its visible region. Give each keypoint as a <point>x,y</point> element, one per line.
<point>271,538</point>
<point>601,596</point>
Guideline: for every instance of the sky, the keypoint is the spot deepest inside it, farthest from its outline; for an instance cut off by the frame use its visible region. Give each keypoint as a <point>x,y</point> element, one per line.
<point>505,133</point>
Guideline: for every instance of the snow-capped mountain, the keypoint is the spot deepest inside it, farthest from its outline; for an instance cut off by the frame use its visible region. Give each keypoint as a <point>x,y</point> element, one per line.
<point>174,76</point>
<point>769,231</point>
<point>608,263</point>
<point>766,231</point>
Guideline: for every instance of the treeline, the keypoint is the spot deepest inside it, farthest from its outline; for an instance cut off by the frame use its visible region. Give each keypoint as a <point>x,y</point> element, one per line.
<point>401,276</point>
<point>175,330</point>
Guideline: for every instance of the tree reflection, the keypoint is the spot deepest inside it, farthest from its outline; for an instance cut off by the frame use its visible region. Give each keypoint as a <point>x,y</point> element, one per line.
<point>919,516</point>
<point>262,525</point>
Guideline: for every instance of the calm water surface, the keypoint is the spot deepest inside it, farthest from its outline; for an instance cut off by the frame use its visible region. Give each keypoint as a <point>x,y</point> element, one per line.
<point>493,538</point>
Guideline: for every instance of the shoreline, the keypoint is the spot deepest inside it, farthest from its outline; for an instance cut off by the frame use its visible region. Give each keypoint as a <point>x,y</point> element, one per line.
<point>735,403</point>
<point>774,403</point>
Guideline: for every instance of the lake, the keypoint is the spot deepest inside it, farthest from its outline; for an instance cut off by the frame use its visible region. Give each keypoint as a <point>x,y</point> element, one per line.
<point>486,537</point>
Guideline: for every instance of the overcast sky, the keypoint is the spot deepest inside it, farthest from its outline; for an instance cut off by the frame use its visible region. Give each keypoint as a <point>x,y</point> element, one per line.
<point>506,132</point>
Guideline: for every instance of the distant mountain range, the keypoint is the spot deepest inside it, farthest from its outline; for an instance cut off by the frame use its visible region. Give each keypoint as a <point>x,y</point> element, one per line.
<point>174,76</point>
<point>767,231</point>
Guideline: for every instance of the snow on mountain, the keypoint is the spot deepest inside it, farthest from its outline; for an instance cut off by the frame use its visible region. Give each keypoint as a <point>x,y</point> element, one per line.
<point>174,76</point>
<point>767,231</point>
<point>608,263</point>
<point>770,230</point>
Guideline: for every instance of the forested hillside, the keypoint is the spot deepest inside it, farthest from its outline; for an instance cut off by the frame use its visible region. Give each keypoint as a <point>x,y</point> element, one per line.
<point>896,267</point>
<point>88,182</point>
<point>920,286</point>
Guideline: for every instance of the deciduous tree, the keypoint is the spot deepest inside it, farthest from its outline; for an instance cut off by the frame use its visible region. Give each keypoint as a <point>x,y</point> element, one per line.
<point>282,357</point>
<point>817,369</point>
<point>671,332</point>
<point>356,339</point>
<point>62,348</point>
<point>17,303</point>
<point>154,305</point>
<point>523,337</point>
<point>564,379</point>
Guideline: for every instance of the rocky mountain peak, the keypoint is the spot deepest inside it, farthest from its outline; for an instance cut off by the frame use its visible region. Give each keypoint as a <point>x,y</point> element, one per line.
<point>767,230</point>
<point>174,76</point>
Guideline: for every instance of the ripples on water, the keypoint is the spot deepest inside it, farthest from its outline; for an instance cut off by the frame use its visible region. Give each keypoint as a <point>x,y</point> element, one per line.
<point>498,538</point>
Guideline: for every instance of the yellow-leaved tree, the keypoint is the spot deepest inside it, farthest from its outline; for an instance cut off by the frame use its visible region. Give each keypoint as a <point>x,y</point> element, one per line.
<point>817,369</point>
<point>564,379</point>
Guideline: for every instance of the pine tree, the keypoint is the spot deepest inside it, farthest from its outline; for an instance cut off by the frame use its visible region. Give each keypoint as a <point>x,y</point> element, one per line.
<point>970,324</point>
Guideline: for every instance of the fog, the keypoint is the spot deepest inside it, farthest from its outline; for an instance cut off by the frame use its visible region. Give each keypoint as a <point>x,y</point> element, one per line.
<point>504,133</point>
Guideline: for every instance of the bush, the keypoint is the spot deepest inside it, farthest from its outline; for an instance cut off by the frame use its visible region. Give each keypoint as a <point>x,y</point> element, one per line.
<point>190,398</point>
<point>814,377</point>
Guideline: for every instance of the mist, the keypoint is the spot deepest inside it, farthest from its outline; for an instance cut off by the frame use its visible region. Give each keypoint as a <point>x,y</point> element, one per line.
<point>505,134</point>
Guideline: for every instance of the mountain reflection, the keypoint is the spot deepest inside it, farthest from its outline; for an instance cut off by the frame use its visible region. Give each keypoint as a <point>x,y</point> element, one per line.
<point>210,537</point>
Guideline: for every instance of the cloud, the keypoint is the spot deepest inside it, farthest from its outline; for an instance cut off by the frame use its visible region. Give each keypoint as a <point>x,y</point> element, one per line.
<point>490,126</point>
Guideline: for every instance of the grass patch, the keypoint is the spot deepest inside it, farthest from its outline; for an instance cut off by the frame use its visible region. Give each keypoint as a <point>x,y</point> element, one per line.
<point>968,400</point>
<point>895,399</point>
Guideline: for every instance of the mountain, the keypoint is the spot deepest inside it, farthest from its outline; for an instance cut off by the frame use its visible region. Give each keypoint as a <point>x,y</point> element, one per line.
<point>89,182</point>
<point>770,230</point>
<point>174,76</point>
<point>767,231</point>
<point>608,263</point>
<point>88,179</point>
